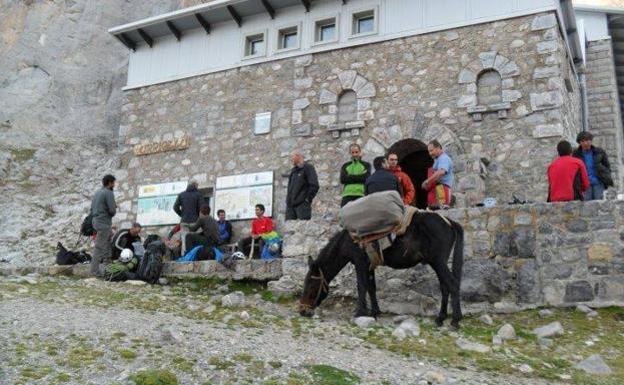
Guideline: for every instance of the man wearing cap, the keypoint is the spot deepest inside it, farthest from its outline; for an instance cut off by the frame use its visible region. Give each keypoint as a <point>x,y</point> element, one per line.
<point>597,165</point>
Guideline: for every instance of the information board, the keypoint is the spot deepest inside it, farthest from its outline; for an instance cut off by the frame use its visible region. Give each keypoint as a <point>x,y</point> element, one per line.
<point>155,203</point>
<point>239,194</point>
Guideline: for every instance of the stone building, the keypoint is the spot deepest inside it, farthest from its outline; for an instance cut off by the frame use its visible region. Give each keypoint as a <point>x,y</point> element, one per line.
<point>497,83</point>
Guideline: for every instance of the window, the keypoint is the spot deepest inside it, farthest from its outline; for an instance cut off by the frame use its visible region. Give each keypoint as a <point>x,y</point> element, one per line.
<point>363,23</point>
<point>288,38</point>
<point>254,45</point>
<point>326,31</point>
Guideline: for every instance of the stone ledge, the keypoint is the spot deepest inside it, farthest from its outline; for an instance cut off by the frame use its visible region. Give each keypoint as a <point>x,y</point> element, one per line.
<point>255,270</point>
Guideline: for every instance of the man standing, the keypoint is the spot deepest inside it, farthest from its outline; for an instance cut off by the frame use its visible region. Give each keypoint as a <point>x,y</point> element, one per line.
<point>440,178</point>
<point>353,175</point>
<point>567,176</point>
<point>597,165</point>
<point>225,228</point>
<point>103,209</point>
<point>259,225</point>
<point>409,193</point>
<point>124,239</point>
<point>187,206</point>
<point>302,188</point>
<point>382,179</point>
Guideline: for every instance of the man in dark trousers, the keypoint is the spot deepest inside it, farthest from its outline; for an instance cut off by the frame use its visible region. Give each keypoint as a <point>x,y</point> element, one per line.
<point>353,174</point>
<point>597,165</point>
<point>124,239</point>
<point>382,179</point>
<point>567,176</point>
<point>209,236</point>
<point>302,188</point>
<point>187,207</point>
<point>103,209</point>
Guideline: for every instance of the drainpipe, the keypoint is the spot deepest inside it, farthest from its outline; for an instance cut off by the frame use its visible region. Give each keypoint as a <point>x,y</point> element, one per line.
<point>574,42</point>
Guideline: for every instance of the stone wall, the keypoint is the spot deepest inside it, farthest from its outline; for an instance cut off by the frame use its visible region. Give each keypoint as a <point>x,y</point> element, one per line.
<point>516,257</point>
<point>603,104</point>
<point>421,87</point>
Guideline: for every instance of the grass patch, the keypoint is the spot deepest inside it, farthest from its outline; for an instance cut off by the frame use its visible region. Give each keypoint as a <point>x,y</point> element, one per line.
<point>23,154</point>
<point>242,357</point>
<point>127,354</point>
<point>154,377</point>
<point>220,364</point>
<point>329,375</point>
<point>183,364</point>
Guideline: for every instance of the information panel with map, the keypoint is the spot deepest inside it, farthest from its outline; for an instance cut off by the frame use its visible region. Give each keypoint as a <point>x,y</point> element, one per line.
<point>239,194</point>
<point>155,203</point>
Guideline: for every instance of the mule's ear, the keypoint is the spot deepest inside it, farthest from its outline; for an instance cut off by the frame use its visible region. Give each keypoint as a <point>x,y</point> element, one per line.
<point>310,261</point>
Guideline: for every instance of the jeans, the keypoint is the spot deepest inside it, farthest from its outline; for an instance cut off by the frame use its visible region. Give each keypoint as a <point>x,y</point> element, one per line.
<point>303,211</point>
<point>103,249</point>
<point>594,192</point>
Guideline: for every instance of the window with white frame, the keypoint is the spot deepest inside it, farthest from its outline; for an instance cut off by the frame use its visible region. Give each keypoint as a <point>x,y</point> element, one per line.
<point>288,38</point>
<point>326,30</point>
<point>364,22</point>
<point>254,45</point>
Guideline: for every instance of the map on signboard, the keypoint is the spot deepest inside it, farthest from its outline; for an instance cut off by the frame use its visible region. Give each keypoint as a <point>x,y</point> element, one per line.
<point>155,203</point>
<point>239,194</point>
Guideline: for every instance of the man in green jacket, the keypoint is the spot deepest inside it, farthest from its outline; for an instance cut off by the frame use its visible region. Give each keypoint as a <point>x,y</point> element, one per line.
<point>353,174</point>
<point>103,209</point>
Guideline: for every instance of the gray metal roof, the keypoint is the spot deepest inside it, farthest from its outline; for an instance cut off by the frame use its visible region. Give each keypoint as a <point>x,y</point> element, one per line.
<point>199,16</point>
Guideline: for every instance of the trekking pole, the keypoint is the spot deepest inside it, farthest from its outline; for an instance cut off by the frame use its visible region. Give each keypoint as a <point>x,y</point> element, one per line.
<point>251,253</point>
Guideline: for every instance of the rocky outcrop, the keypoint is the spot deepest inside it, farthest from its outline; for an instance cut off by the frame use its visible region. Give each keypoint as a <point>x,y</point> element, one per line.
<point>61,76</point>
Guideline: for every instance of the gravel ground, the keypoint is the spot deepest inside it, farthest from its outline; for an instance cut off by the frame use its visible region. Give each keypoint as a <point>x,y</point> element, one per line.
<point>58,330</point>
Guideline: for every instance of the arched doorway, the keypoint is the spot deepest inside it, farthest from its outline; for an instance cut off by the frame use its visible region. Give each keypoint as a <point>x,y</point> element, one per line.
<point>414,160</point>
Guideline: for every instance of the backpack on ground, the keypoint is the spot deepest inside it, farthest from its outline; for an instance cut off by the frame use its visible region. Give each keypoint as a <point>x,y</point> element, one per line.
<point>151,264</point>
<point>117,272</point>
<point>86,228</point>
<point>68,257</point>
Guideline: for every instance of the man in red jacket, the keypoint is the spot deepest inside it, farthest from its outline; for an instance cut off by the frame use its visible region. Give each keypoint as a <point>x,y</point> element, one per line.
<point>407,187</point>
<point>567,176</point>
<point>259,225</point>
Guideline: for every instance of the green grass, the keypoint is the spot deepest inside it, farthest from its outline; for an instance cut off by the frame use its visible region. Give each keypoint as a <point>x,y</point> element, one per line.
<point>220,363</point>
<point>329,375</point>
<point>154,377</point>
<point>184,364</point>
<point>127,354</point>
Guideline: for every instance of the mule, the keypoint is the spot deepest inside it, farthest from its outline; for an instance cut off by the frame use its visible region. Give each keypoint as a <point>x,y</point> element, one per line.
<point>429,239</point>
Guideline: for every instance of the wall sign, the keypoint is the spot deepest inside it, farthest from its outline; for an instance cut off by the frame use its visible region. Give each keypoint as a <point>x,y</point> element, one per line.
<point>239,194</point>
<point>155,203</point>
<point>262,123</point>
<point>164,146</point>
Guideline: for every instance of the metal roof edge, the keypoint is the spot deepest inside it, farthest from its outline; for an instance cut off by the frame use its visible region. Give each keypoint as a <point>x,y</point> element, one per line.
<point>172,15</point>
<point>598,8</point>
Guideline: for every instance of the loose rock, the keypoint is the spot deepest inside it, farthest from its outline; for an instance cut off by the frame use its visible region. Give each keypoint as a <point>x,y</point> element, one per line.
<point>506,332</point>
<point>583,309</point>
<point>486,319</point>
<point>545,313</point>
<point>364,322</point>
<point>233,299</point>
<point>552,329</point>
<point>594,364</point>
<point>464,344</point>
<point>434,377</point>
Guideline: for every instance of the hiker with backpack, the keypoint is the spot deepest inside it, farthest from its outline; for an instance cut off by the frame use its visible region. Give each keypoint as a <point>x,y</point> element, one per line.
<point>125,239</point>
<point>187,206</point>
<point>103,209</point>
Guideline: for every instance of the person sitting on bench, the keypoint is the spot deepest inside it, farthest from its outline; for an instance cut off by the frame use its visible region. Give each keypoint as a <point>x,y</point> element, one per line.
<point>259,225</point>
<point>209,237</point>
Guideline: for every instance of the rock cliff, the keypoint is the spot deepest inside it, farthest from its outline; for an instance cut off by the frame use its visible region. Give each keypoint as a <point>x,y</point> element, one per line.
<point>61,76</point>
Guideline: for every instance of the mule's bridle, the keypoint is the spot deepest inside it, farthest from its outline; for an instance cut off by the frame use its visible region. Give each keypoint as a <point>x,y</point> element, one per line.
<point>323,287</point>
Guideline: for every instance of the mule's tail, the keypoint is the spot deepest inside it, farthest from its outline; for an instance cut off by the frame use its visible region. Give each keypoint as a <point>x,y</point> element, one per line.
<point>458,251</point>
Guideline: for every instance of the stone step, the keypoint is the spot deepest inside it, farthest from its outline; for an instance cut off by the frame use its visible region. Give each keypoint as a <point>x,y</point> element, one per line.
<point>254,270</point>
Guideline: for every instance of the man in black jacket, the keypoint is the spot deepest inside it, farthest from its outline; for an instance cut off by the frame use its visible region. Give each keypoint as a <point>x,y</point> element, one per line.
<point>187,207</point>
<point>209,236</point>
<point>124,239</point>
<point>302,188</point>
<point>382,179</point>
<point>353,174</point>
<point>188,203</point>
<point>597,164</point>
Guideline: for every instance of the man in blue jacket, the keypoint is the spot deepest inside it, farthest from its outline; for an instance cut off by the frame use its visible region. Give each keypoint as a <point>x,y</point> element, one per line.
<point>597,165</point>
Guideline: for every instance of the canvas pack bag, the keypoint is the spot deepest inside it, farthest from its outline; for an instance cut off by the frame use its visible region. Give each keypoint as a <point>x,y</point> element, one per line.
<point>376,213</point>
